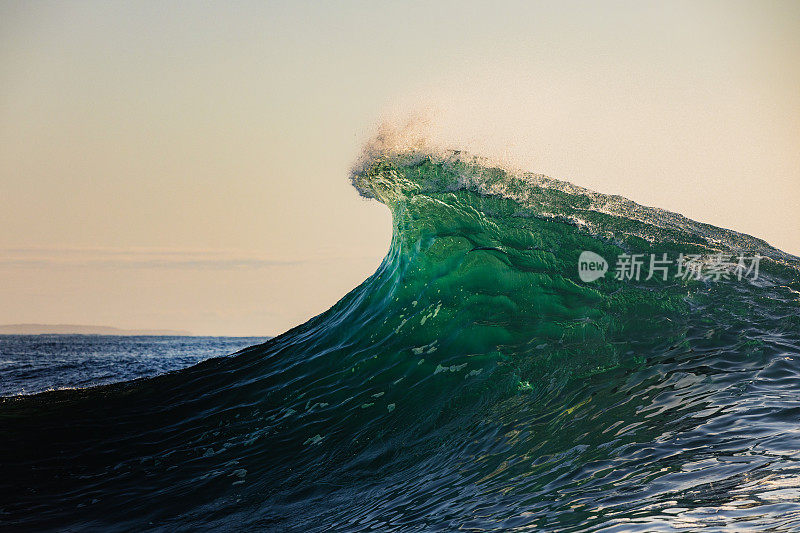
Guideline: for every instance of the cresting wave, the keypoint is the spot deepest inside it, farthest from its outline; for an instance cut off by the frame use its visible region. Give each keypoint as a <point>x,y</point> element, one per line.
<point>473,382</point>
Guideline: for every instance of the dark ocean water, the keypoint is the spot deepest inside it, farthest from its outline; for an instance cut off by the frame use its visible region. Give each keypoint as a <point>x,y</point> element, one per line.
<point>37,363</point>
<point>475,382</point>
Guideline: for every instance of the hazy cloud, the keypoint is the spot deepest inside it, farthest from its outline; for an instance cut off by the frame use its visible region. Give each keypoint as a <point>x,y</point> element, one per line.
<point>119,258</point>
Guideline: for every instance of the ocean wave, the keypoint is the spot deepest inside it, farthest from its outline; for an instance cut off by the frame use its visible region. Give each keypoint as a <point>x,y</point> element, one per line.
<point>474,381</point>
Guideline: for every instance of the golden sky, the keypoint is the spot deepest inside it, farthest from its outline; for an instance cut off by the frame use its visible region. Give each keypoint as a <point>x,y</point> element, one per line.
<point>184,166</point>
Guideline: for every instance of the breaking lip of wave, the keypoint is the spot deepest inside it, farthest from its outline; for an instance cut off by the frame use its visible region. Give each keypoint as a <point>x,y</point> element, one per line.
<point>407,146</point>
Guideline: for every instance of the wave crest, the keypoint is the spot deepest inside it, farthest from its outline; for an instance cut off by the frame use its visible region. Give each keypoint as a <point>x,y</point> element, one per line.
<point>400,162</point>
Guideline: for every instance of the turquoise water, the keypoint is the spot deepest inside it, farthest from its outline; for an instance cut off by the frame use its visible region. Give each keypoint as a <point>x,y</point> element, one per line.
<point>472,383</point>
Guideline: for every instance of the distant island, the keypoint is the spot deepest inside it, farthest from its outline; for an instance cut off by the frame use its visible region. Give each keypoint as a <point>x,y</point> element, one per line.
<point>72,329</point>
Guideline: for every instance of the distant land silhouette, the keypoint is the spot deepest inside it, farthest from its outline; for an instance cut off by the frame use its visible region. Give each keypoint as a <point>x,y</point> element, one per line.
<point>73,329</point>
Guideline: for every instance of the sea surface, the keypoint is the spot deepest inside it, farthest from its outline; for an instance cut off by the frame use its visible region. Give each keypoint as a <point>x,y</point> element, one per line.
<point>477,381</point>
<point>36,363</point>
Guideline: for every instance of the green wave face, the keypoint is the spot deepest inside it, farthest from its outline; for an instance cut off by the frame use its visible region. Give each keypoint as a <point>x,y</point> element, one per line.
<point>474,381</point>
<point>486,264</point>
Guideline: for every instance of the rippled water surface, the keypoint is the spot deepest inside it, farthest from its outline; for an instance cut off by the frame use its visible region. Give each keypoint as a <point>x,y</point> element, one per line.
<point>36,363</point>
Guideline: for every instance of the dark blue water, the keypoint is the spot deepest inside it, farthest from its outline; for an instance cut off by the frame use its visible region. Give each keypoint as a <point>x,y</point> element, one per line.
<point>37,363</point>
